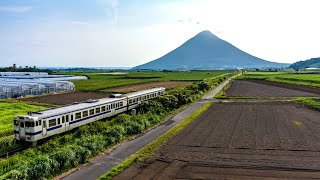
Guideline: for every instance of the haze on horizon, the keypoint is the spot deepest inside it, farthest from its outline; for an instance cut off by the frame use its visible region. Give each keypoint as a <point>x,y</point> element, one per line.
<point>123,33</point>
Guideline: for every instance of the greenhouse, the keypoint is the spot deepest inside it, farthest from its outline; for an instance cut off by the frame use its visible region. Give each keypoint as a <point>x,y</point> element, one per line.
<point>14,88</point>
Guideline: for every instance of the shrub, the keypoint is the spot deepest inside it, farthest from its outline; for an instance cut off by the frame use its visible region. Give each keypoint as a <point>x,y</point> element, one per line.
<point>42,167</point>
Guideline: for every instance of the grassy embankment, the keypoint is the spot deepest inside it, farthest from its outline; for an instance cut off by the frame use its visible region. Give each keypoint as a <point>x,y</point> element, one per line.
<point>311,103</point>
<point>151,149</point>
<point>312,80</point>
<point>67,151</point>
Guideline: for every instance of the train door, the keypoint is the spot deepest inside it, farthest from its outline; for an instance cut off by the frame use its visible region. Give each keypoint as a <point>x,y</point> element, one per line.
<point>67,122</point>
<point>22,130</point>
<point>113,109</point>
<point>44,128</point>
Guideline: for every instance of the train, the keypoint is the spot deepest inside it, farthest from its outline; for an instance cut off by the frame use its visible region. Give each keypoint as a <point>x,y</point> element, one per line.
<point>40,125</point>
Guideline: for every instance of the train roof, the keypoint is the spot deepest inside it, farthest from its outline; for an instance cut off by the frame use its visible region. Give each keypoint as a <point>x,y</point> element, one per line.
<point>72,107</point>
<point>84,105</point>
<point>133,94</point>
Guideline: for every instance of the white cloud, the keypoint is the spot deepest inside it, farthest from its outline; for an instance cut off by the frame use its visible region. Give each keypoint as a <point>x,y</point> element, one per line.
<point>112,5</point>
<point>15,9</point>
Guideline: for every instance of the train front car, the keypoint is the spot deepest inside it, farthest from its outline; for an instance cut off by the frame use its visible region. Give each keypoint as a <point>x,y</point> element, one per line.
<point>26,129</point>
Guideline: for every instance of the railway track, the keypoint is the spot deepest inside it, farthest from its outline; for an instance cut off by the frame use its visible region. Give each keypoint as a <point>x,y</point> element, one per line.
<point>9,151</point>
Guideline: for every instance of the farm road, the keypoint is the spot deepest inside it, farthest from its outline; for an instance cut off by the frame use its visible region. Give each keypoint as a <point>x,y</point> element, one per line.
<point>102,164</point>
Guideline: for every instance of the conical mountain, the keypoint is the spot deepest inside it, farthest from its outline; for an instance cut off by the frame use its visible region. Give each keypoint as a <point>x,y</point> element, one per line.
<point>207,51</point>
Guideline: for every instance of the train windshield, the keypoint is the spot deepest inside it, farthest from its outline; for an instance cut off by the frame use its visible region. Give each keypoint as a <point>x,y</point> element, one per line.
<point>29,124</point>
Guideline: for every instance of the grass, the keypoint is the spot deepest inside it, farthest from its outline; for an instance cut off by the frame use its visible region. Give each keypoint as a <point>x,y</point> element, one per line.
<point>101,81</point>
<point>10,109</point>
<point>312,103</point>
<point>312,80</point>
<point>151,149</point>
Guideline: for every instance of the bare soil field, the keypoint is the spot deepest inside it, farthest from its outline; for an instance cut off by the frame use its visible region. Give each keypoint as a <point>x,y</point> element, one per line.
<point>297,87</point>
<point>241,88</point>
<point>66,98</point>
<point>240,141</point>
<point>139,87</point>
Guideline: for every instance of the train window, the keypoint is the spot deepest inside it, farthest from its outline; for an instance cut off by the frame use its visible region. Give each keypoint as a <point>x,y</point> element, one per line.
<point>67,118</point>
<point>71,118</point>
<point>84,113</point>
<point>103,109</point>
<point>91,112</point>
<point>39,122</point>
<point>27,124</point>
<point>112,107</point>
<point>52,122</point>
<point>44,124</point>
<point>121,104</point>
<point>16,122</point>
<point>63,118</point>
<point>78,115</point>
<point>130,101</point>
<point>22,124</point>
<point>58,121</point>
<point>139,98</point>
<point>98,110</point>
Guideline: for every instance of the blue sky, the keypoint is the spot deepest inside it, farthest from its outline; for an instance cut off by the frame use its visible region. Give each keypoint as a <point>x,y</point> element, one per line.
<point>130,32</point>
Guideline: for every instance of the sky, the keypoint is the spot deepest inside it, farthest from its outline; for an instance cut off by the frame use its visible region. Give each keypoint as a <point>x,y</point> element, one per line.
<point>126,33</point>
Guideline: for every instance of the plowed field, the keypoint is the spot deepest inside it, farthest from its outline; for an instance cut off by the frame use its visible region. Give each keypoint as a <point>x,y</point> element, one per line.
<point>242,141</point>
<point>255,89</point>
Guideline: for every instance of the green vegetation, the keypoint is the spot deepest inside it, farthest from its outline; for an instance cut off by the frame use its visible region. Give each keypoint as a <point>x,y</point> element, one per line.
<point>151,148</point>
<point>67,151</point>
<point>10,109</point>
<point>102,81</point>
<point>311,63</point>
<point>312,103</point>
<point>312,80</point>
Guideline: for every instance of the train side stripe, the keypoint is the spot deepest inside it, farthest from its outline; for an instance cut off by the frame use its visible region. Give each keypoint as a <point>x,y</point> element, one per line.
<point>53,128</point>
<point>34,133</point>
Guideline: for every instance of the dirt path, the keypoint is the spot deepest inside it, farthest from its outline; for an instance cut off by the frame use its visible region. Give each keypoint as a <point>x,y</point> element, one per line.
<point>242,141</point>
<point>240,88</point>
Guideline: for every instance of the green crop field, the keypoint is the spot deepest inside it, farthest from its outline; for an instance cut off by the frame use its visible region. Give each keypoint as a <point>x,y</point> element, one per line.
<point>10,109</point>
<point>102,81</point>
<point>292,78</point>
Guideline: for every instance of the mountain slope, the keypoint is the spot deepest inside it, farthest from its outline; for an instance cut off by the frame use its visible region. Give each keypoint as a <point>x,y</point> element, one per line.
<point>205,51</point>
<point>311,63</point>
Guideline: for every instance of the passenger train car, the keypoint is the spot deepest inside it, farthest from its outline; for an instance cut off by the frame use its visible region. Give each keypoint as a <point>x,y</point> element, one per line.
<point>40,125</point>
